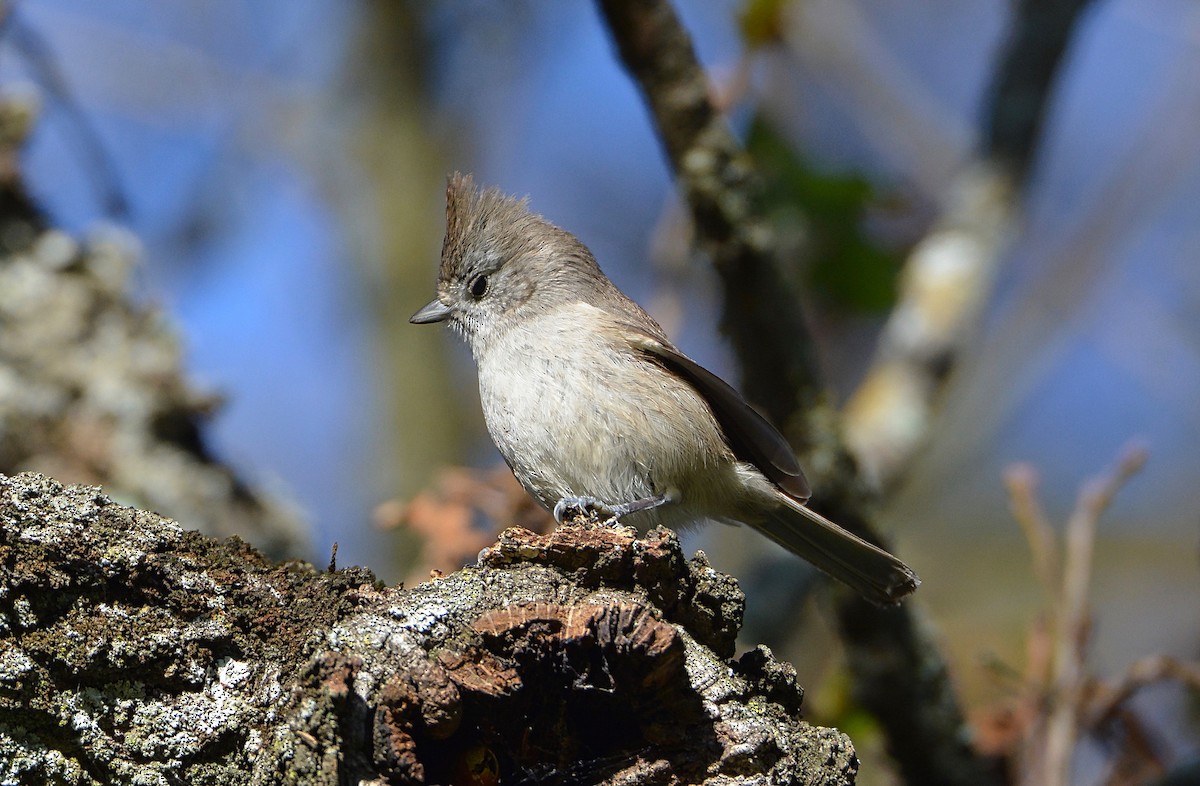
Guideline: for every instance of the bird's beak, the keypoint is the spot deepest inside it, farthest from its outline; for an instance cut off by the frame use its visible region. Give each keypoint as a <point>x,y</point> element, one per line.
<point>436,311</point>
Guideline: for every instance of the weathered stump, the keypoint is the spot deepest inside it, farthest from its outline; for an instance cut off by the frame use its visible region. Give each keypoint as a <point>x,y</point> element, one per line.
<point>133,651</point>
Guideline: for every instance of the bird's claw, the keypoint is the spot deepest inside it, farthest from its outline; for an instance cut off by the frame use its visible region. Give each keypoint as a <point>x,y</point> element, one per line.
<point>588,508</point>
<point>603,513</point>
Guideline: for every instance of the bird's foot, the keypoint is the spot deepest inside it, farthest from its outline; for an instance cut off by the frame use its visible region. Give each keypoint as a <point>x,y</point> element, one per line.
<point>602,512</point>
<point>583,508</point>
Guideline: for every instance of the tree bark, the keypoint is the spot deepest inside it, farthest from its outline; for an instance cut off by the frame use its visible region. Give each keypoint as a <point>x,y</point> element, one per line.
<point>133,651</point>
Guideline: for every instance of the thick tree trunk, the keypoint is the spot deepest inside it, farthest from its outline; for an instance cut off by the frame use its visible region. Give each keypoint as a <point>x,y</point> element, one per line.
<point>133,651</point>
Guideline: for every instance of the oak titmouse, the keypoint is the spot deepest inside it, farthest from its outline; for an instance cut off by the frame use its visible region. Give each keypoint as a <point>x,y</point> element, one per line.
<point>593,407</point>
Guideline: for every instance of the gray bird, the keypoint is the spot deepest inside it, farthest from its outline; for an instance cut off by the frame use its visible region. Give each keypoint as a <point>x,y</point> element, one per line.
<point>594,408</point>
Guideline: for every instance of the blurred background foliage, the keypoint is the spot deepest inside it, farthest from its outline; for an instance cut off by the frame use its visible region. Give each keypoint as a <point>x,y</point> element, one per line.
<point>283,164</point>
<point>850,266</point>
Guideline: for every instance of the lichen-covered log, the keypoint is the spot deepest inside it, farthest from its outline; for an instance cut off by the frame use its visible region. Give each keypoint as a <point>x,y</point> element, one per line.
<point>133,651</point>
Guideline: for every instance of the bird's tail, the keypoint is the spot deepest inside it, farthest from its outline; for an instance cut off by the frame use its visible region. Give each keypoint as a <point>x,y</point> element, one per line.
<point>872,572</point>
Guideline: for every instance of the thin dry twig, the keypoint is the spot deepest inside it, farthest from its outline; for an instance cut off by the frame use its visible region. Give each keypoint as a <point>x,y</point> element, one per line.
<point>1061,700</point>
<point>1108,699</point>
<point>1021,482</point>
<point>1071,618</point>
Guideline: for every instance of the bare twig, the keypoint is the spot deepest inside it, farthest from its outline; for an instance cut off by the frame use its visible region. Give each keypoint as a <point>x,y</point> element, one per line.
<point>1150,670</point>
<point>1072,623</point>
<point>1021,480</point>
<point>99,164</point>
<point>1063,688</point>
<point>1143,673</point>
<point>1094,499</point>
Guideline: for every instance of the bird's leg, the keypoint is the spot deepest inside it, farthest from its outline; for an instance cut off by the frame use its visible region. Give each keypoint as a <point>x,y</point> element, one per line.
<point>611,513</point>
<point>647,503</point>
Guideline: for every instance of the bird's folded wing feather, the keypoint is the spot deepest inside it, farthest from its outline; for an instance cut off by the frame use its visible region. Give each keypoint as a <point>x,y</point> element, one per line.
<point>752,438</point>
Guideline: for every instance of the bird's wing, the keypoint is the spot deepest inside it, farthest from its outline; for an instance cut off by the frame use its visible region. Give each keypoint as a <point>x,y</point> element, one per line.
<point>752,438</point>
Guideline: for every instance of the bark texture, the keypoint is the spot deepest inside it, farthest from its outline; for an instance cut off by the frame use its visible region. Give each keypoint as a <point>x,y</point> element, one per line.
<point>133,651</point>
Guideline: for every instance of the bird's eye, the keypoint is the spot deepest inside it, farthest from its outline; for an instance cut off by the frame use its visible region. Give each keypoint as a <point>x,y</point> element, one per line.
<point>479,287</point>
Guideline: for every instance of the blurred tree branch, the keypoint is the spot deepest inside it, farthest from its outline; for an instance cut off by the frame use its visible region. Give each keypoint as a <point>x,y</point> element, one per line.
<point>1025,77</point>
<point>43,63</point>
<point>899,674</point>
<point>92,384</point>
<point>948,277</point>
<point>724,193</point>
<point>399,165</point>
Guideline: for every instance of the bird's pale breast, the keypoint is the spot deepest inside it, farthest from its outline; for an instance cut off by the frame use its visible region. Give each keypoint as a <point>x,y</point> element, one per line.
<point>576,411</point>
